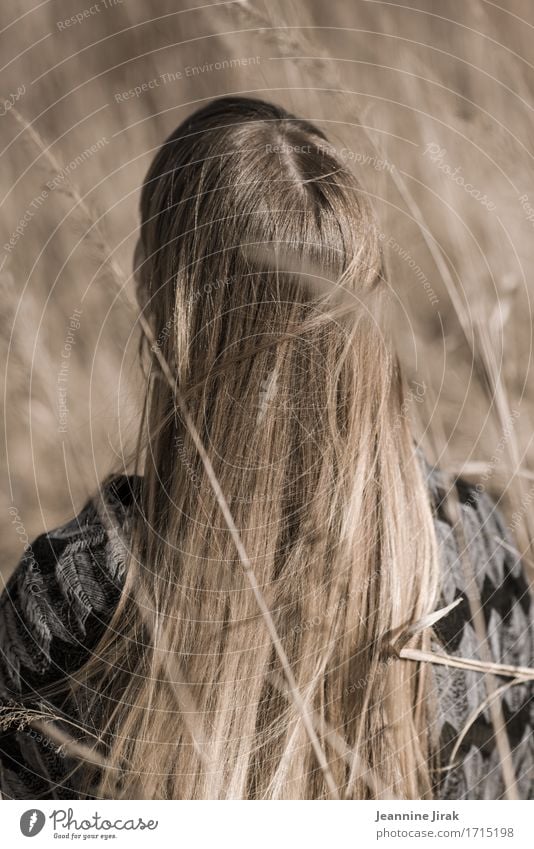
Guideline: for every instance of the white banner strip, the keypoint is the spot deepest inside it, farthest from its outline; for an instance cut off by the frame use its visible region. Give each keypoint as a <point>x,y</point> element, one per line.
<point>269,825</point>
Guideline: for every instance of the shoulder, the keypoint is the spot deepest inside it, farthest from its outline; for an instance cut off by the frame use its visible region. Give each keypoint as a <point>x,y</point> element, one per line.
<point>475,543</point>
<point>63,591</point>
<point>479,558</point>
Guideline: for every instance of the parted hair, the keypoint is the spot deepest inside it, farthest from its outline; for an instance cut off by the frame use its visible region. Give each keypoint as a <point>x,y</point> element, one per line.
<point>260,272</point>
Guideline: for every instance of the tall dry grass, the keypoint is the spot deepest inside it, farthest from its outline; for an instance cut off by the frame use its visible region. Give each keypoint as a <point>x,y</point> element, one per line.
<point>385,81</point>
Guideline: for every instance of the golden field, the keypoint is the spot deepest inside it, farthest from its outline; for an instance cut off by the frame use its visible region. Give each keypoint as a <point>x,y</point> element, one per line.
<point>432,106</point>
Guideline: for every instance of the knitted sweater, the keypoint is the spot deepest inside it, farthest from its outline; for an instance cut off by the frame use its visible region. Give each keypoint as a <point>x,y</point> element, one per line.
<point>58,601</point>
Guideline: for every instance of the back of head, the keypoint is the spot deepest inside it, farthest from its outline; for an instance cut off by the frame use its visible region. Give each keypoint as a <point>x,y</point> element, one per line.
<point>261,277</point>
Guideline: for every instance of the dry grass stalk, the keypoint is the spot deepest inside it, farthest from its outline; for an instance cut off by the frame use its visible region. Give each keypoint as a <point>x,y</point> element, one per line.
<point>45,723</point>
<point>66,743</point>
<point>474,715</point>
<point>521,673</point>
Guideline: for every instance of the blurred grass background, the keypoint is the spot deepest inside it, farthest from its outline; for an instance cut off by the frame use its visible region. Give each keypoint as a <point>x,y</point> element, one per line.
<point>384,80</point>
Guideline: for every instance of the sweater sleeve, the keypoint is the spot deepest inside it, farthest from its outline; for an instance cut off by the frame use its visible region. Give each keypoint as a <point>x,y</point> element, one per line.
<point>53,606</point>
<point>53,610</point>
<point>463,718</point>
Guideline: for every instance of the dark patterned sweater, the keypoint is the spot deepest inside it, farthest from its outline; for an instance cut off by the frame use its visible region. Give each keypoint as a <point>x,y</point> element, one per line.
<point>58,601</point>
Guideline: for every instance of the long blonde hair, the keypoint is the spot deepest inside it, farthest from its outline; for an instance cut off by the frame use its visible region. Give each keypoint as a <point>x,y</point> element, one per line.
<point>299,405</point>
